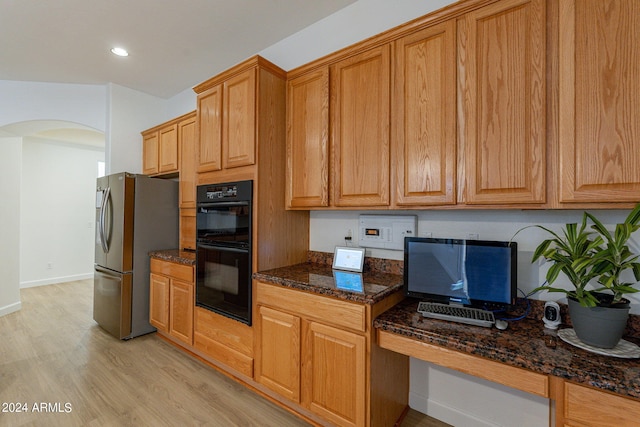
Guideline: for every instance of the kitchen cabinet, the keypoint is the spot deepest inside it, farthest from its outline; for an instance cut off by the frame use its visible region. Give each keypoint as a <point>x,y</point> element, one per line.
<point>188,175</point>
<point>577,405</point>
<point>210,129</point>
<point>159,302</point>
<point>168,149</point>
<point>599,130</point>
<point>227,123</point>
<point>318,352</point>
<point>307,180</point>
<point>188,228</point>
<point>360,119</point>
<point>150,153</point>
<point>424,117</point>
<point>234,108</point>
<point>172,299</point>
<point>160,150</point>
<point>502,95</point>
<point>239,120</point>
<point>162,146</point>
<point>224,340</point>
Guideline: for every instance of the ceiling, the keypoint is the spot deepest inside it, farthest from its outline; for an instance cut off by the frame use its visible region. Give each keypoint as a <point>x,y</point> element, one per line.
<point>173,45</point>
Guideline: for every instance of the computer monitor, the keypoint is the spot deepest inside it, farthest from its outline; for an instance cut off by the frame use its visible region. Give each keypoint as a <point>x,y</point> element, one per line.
<point>476,273</point>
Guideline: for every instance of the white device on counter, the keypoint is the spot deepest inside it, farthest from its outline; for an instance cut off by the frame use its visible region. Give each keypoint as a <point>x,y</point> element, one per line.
<point>551,317</point>
<point>386,231</point>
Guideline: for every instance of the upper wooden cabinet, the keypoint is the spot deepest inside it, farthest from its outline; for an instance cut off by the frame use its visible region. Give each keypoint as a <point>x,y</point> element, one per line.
<point>150,153</point>
<point>239,120</point>
<point>360,118</point>
<point>162,146</point>
<point>308,140</point>
<point>424,117</point>
<point>599,96</point>
<point>338,135</point>
<point>210,129</point>
<point>232,107</point>
<point>187,139</point>
<point>168,149</point>
<point>502,96</point>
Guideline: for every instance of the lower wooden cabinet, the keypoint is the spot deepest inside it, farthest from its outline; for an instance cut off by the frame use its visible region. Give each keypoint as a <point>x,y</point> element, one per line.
<point>319,352</point>
<point>335,367</point>
<point>588,407</point>
<point>172,299</point>
<point>224,340</point>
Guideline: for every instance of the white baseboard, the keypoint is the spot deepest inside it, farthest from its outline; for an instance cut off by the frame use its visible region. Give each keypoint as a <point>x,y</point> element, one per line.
<point>11,308</point>
<point>444,413</point>
<point>54,280</point>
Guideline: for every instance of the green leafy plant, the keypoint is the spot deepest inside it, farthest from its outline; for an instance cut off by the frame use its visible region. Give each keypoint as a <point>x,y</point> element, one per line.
<point>585,253</point>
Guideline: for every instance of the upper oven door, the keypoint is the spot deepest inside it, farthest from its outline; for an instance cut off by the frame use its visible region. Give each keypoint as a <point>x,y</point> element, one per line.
<point>224,223</point>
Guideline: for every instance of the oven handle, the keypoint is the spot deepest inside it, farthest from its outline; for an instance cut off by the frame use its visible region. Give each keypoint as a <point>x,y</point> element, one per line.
<point>221,204</point>
<point>223,248</point>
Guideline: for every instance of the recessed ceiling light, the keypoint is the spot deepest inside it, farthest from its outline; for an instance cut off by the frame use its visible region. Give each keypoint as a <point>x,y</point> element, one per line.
<point>119,51</point>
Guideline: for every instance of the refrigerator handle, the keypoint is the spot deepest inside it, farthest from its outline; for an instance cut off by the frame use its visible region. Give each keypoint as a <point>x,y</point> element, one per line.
<point>102,225</point>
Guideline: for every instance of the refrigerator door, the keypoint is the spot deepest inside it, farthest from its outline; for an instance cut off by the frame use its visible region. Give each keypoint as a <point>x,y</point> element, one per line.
<point>112,301</point>
<point>114,222</point>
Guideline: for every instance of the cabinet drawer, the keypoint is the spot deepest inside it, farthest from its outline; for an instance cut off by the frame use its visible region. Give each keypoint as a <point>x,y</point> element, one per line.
<point>177,271</point>
<point>598,408</point>
<point>329,310</point>
<point>223,354</point>
<point>225,331</point>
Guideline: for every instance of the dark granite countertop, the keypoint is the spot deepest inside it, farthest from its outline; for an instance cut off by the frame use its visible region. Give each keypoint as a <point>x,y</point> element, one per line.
<point>178,256</point>
<point>521,345</point>
<point>319,279</point>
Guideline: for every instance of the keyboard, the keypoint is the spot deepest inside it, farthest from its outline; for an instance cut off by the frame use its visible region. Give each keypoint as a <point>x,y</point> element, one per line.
<point>468,315</point>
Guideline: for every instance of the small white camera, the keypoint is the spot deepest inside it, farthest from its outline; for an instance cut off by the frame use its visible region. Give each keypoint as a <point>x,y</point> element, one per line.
<point>551,316</point>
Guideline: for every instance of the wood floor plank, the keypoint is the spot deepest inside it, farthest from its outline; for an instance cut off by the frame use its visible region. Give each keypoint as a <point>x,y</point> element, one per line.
<point>52,353</point>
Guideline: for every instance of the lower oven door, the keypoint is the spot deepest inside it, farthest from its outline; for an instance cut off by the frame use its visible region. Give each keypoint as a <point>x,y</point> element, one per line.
<point>223,282</point>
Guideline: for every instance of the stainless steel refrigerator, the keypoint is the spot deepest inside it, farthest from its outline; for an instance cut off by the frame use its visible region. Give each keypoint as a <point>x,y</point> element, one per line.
<point>135,214</point>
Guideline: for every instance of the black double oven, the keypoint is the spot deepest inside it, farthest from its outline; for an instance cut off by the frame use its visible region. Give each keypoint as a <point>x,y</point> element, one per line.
<point>223,245</point>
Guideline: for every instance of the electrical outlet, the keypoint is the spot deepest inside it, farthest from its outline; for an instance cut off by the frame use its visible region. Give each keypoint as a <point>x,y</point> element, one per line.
<point>473,236</point>
<point>348,237</point>
<point>49,265</point>
<point>427,234</point>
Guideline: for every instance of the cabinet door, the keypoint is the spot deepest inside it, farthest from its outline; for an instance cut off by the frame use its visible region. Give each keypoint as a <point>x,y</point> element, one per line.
<point>181,303</point>
<point>599,100</point>
<point>589,407</point>
<point>168,149</point>
<point>308,140</point>
<point>425,117</point>
<point>278,365</point>
<point>188,175</point>
<point>188,228</point>
<point>150,153</point>
<point>335,375</point>
<point>501,54</point>
<point>210,129</point>
<point>239,120</point>
<point>159,302</point>
<point>360,128</point>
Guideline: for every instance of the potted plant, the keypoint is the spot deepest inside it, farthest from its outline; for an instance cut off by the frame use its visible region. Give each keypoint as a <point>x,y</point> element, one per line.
<point>584,254</point>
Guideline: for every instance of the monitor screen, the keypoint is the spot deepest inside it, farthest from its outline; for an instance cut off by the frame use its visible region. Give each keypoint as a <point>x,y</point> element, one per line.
<point>477,273</point>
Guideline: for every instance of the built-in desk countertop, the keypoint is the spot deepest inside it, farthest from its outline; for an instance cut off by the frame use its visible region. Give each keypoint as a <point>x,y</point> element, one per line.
<point>523,345</point>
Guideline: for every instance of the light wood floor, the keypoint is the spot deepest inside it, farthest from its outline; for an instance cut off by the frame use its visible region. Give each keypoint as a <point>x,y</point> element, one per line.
<point>52,353</point>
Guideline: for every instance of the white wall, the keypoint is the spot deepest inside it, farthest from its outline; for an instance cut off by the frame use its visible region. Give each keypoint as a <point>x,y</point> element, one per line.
<point>25,101</point>
<point>128,113</point>
<point>10,161</point>
<point>57,199</point>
